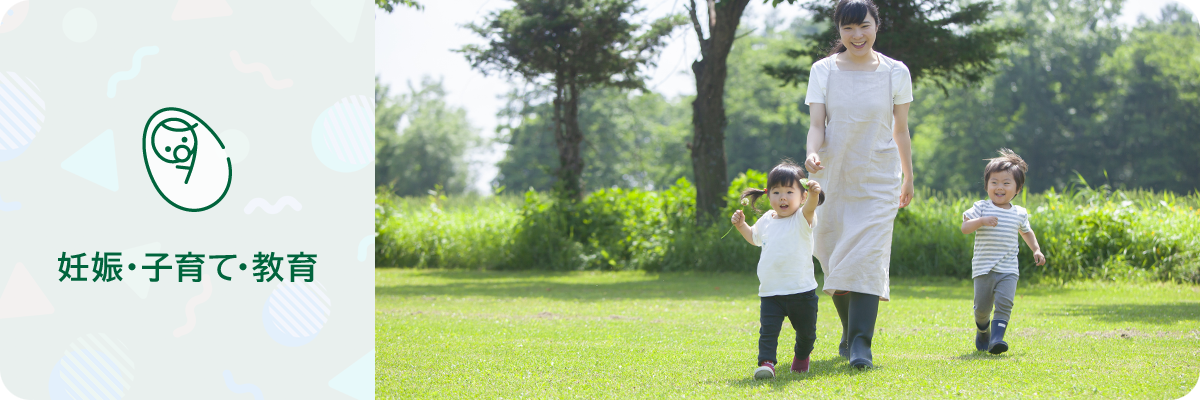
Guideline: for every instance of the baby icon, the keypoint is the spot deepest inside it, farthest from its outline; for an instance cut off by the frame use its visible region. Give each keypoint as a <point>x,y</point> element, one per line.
<point>175,136</point>
<point>176,131</point>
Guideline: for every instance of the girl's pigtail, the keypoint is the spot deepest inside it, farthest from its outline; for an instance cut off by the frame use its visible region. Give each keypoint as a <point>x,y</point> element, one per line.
<point>753,195</point>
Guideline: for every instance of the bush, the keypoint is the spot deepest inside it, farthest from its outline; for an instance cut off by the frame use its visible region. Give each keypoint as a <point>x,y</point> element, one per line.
<point>1085,233</point>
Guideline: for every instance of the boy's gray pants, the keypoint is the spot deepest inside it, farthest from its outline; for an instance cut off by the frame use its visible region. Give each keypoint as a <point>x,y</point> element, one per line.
<point>994,288</point>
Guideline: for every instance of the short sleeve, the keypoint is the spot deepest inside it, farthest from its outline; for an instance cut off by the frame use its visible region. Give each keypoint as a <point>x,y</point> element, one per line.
<point>756,231</point>
<point>972,213</point>
<point>818,78</point>
<point>902,91</point>
<point>1025,228</point>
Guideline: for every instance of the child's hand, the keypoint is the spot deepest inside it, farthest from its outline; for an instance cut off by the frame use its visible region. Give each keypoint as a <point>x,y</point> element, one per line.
<point>1038,258</point>
<point>814,187</point>
<point>738,218</point>
<point>991,221</point>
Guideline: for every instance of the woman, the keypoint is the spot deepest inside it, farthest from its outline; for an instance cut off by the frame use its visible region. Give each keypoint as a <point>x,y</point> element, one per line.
<point>858,145</point>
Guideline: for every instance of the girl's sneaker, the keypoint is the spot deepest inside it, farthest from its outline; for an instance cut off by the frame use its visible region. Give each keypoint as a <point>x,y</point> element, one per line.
<point>765,370</point>
<point>799,366</point>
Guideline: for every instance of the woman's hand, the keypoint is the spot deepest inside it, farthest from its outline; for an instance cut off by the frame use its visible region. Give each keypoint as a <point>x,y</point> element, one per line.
<point>906,193</point>
<point>813,163</point>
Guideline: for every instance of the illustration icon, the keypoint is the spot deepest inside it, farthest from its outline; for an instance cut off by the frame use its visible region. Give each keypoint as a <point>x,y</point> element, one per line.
<point>190,168</point>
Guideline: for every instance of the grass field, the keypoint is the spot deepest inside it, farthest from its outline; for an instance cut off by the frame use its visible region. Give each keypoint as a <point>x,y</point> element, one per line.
<point>469,334</point>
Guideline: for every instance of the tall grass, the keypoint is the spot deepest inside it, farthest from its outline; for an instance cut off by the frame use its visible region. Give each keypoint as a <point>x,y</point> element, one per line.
<point>1085,233</point>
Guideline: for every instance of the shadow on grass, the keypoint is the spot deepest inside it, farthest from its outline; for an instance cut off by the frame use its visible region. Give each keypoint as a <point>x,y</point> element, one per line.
<point>817,369</point>
<point>981,356</point>
<point>681,286</point>
<point>1161,314</point>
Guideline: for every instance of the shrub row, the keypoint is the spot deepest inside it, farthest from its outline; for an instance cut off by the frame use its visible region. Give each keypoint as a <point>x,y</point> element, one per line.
<point>1085,233</point>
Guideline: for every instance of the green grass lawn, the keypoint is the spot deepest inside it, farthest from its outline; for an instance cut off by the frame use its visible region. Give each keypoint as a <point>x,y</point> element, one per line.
<point>469,334</point>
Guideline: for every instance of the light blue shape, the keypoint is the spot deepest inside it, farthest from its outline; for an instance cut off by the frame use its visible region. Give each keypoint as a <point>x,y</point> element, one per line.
<point>357,380</point>
<point>365,247</point>
<point>326,154</point>
<point>133,72</point>
<point>279,335</point>
<point>243,388</point>
<point>96,161</point>
<point>16,205</point>
<point>67,378</point>
<point>343,15</point>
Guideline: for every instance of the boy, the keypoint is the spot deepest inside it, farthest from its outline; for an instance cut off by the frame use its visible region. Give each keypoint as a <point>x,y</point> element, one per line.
<point>997,223</point>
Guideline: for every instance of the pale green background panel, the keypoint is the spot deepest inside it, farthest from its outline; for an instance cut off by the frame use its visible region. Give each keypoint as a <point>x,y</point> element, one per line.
<point>283,199</point>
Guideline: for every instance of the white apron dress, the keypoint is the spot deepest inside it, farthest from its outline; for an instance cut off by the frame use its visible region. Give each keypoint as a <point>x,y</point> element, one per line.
<point>861,180</point>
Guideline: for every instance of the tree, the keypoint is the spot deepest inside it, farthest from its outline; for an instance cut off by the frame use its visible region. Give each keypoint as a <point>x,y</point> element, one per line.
<point>429,151</point>
<point>944,40</point>
<point>575,45</point>
<point>633,139</point>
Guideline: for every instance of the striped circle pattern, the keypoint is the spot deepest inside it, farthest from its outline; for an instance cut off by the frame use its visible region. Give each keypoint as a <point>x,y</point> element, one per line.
<point>94,367</point>
<point>296,312</point>
<point>349,129</point>
<point>22,113</point>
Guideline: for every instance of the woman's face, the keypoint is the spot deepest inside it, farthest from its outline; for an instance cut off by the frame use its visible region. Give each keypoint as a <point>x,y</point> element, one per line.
<point>859,38</point>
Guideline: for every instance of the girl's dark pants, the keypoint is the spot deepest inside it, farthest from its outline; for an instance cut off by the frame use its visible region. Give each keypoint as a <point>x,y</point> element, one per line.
<point>801,310</point>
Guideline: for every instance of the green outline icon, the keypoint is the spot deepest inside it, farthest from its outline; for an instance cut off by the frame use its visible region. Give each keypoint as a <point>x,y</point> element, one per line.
<point>185,177</point>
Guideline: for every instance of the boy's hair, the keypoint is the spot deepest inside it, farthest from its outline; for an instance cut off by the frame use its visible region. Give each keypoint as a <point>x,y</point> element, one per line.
<point>1008,161</point>
<point>787,173</point>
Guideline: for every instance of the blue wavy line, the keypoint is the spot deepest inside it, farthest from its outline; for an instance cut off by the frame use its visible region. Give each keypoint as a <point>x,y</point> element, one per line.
<point>247,388</point>
<point>133,72</point>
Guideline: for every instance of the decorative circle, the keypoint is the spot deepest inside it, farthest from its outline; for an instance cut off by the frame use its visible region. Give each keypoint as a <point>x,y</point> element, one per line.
<point>296,312</point>
<point>27,114</point>
<point>79,25</point>
<point>12,17</point>
<point>344,134</point>
<point>98,368</point>
<point>236,145</point>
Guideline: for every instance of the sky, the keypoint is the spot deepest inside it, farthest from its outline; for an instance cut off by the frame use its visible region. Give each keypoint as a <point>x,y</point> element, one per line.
<point>411,44</point>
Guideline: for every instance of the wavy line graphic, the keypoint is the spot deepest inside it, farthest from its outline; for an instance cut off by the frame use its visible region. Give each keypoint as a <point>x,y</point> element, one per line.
<point>131,73</point>
<point>246,388</point>
<point>260,68</point>
<point>275,208</point>
<point>190,309</point>
<point>9,206</point>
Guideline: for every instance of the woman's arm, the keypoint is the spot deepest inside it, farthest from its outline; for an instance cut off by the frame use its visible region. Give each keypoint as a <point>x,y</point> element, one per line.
<point>904,144</point>
<point>816,137</point>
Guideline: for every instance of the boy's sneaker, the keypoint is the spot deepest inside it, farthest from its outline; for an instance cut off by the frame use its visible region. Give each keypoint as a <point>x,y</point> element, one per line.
<point>800,366</point>
<point>765,370</point>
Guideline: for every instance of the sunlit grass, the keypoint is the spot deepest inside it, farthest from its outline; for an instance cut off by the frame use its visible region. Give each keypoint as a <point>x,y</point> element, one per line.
<point>471,334</point>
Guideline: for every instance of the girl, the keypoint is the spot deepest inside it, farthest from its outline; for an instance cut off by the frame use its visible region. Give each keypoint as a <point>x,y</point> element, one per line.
<point>858,103</point>
<point>787,287</point>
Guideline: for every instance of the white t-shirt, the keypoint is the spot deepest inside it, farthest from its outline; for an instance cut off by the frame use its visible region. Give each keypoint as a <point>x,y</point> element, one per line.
<point>818,77</point>
<point>996,246</point>
<point>786,264</point>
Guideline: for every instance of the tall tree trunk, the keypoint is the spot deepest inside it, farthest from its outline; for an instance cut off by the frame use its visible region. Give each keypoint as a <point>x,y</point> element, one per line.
<point>569,139</point>
<point>708,110</point>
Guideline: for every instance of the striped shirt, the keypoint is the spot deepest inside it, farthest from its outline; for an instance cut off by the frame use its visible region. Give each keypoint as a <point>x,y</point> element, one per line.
<point>996,247</point>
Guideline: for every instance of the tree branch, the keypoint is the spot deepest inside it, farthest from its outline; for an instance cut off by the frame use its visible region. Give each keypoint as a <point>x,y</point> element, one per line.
<point>695,20</point>
<point>712,14</point>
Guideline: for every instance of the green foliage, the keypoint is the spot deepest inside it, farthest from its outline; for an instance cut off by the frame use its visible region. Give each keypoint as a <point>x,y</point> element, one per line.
<point>390,5</point>
<point>1085,233</point>
<point>947,41</point>
<point>633,139</point>
<point>429,152</point>
<point>1080,95</point>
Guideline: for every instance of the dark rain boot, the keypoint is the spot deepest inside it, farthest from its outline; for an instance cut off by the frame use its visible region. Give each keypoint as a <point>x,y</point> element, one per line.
<point>982,337</point>
<point>864,308</point>
<point>842,303</point>
<point>997,344</point>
